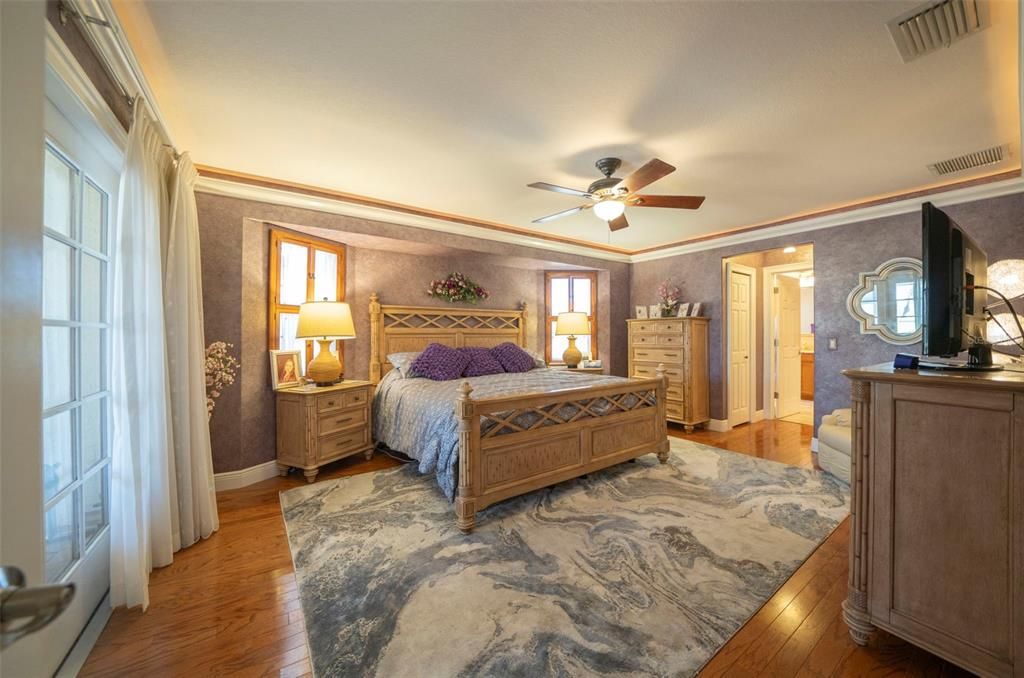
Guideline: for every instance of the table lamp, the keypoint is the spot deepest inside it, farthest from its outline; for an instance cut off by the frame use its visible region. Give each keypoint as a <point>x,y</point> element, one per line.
<point>325,321</point>
<point>572,324</point>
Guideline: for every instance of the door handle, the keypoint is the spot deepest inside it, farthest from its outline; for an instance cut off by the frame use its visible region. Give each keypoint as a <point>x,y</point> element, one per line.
<point>26,609</point>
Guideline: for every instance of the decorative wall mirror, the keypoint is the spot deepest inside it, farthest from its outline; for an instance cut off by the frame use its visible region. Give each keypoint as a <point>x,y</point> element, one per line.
<point>889,301</point>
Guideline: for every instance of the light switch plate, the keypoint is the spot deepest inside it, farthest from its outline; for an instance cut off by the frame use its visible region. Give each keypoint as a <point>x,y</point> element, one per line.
<point>833,343</point>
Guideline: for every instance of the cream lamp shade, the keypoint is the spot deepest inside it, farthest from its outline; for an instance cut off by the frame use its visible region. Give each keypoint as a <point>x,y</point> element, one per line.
<point>571,325</point>
<point>325,321</point>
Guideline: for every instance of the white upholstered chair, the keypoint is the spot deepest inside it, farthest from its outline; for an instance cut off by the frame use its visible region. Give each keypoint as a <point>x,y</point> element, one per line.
<point>834,442</point>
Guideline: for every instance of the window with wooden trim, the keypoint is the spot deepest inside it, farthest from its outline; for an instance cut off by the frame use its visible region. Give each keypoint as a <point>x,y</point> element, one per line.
<point>569,291</point>
<point>302,268</point>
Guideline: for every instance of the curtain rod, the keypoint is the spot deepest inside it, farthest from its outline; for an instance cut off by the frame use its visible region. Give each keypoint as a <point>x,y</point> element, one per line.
<point>66,10</point>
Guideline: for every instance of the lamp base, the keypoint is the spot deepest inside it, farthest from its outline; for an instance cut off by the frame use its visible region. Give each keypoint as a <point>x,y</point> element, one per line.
<point>325,368</point>
<point>572,355</point>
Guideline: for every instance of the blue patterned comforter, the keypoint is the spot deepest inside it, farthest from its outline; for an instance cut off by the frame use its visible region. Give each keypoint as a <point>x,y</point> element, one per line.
<point>416,416</point>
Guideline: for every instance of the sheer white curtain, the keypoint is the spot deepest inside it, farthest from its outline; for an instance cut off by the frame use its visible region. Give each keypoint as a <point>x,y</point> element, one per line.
<point>157,353</point>
<point>186,359</point>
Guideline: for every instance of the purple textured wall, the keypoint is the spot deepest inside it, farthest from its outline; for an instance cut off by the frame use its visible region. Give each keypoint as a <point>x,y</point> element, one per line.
<point>234,243</point>
<point>840,254</point>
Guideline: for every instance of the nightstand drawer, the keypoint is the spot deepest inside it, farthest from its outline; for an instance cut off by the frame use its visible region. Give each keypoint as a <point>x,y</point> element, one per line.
<point>356,398</point>
<point>673,409</point>
<point>658,355</point>
<point>330,401</point>
<point>339,444</point>
<point>340,421</point>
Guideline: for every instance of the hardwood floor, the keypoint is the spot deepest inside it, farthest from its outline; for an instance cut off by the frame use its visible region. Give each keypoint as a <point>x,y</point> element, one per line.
<point>229,605</point>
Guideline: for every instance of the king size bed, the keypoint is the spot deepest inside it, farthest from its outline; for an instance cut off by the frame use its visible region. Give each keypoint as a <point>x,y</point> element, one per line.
<point>489,438</point>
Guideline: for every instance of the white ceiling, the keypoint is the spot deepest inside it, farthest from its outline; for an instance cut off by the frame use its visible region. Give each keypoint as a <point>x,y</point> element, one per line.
<point>770,109</point>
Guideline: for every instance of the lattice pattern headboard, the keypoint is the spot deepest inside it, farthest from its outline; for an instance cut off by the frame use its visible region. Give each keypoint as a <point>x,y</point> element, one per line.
<point>397,329</point>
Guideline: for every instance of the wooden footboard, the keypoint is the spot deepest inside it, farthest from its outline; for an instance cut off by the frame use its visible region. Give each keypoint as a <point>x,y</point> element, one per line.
<point>511,445</point>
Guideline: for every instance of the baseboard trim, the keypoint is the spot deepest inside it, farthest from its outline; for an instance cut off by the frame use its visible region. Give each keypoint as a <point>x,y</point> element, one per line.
<point>73,663</point>
<point>758,416</point>
<point>232,480</point>
<point>719,425</point>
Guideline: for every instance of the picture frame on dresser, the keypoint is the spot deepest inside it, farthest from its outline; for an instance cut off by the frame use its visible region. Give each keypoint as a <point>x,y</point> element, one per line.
<point>641,312</point>
<point>682,310</point>
<point>654,311</point>
<point>695,310</point>
<point>285,368</point>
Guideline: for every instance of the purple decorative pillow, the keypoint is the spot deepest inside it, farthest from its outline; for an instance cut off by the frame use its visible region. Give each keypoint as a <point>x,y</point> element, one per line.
<point>440,363</point>
<point>481,362</point>
<point>513,358</point>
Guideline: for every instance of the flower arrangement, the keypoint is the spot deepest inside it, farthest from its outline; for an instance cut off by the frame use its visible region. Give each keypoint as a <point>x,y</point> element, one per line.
<point>670,297</point>
<point>220,371</point>
<point>457,287</point>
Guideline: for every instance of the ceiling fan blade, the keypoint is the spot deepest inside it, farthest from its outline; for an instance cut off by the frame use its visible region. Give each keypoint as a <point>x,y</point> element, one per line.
<point>563,213</point>
<point>618,223</point>
<point>545,186</point>
<point>682,202</point>
<point>648,174</point>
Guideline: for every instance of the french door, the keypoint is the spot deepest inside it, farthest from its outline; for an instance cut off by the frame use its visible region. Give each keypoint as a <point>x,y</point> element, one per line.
<point>64,530</point>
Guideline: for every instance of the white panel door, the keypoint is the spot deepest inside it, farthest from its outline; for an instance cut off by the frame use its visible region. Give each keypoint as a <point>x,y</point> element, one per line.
<point>740,342</point>
<point>788,351</point>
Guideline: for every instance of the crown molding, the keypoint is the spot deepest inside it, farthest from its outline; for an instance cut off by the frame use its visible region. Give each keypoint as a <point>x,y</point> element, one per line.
<point>292,198</point>
<point>282,193</point>
<point>942,196</point>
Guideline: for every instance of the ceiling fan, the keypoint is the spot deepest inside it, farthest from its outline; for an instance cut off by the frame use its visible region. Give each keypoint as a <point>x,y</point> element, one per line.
<point>610,196</point>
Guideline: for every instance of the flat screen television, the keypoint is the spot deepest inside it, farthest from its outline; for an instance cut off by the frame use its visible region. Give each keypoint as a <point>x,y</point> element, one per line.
<point>954,315</point>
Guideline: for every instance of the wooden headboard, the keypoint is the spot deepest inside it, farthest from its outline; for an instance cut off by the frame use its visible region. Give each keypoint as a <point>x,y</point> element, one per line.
<point>397,329</point>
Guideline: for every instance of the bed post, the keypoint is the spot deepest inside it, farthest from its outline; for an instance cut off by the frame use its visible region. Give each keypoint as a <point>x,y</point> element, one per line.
<point>522,324</point>
<point>375,320</point>
<point>465,499</point>
<point>662,421</point>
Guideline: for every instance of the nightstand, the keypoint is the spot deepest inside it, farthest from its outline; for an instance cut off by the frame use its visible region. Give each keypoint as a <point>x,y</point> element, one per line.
<point>317,425</point>
<point>588,370</point>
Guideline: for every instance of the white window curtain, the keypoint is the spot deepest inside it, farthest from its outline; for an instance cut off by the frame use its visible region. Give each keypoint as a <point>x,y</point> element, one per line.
<point>154,481</point>
<point>186,360</point>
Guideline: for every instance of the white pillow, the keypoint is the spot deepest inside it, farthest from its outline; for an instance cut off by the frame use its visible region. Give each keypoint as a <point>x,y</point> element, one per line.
<point>403,361</point>
<point>538,359</point>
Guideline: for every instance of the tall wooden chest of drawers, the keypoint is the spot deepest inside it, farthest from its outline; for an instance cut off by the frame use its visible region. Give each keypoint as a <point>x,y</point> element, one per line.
<point>316,426</point>
<point>681,344</point>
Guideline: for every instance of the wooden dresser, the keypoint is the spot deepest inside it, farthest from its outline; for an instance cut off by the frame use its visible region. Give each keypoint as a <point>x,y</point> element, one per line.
<point>681,344</point>
<point>318,425</point>
<point>937,540</point>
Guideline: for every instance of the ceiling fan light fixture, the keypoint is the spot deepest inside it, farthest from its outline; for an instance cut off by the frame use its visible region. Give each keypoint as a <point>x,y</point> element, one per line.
<point>607,210</point>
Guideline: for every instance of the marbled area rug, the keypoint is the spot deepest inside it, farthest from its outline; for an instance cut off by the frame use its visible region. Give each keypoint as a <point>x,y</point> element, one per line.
<point>641,569</point>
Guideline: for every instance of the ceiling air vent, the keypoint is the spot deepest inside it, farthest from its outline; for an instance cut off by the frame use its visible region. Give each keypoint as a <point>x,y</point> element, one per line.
<point>990,156</point>
<point>935,25</point>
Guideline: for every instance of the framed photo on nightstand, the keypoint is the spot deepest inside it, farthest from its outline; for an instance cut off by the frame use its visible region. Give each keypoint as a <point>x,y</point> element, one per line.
<point>285,368</point>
